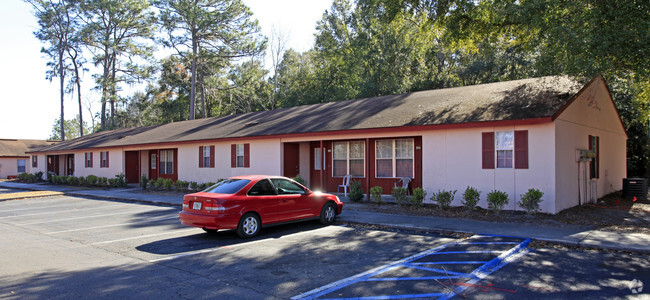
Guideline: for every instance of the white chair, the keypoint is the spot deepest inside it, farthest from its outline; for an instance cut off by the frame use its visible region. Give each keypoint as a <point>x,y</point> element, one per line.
<point>405,183</point>
<point>345,185</point>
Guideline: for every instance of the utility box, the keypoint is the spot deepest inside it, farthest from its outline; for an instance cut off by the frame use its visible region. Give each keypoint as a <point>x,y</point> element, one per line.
<point>635,187</point>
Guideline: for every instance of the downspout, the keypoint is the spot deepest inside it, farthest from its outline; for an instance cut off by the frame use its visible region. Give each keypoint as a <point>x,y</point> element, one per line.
<point>324,162</point>
<point>367,169</point>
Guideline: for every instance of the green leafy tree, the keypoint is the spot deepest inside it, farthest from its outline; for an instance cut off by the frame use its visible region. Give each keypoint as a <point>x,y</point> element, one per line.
<point>71,129</point>
<point>204,30</point>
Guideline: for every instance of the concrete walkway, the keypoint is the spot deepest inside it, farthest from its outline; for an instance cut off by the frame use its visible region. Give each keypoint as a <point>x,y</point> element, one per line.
<point>567,235</point>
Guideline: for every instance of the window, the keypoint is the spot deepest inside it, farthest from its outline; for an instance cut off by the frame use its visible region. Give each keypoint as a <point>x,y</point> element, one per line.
<point>286,187</point>
<point>317,159</point>
<point>206,157</point>
<point>394,158</point>
<point>349,158</point>
<point>166,161</point>
<point>240,155</point>
<point>154,161</point>
<point>228,186</point>
<point>88,158</point>
<point>21,166</point>
<point>505,150</point>
<point>594,165</point>
<point>34,161</point>
<point>504,144</point>
<point>262,188</point>
<point>103,156</point>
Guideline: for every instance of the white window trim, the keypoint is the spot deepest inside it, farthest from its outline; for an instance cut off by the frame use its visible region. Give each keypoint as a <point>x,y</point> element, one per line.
<point>394,158</point>
<point>347,160</point>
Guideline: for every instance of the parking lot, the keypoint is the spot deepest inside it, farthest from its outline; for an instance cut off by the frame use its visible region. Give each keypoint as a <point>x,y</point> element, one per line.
<point>72,247</point>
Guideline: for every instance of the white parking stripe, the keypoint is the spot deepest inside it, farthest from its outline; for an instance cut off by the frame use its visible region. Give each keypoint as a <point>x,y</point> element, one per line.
<point>115,225</point>
<point>86,217</point>
<point>240,244</point>
<point>59,212</point>
<point>144,236</point>
<point>40,207</point>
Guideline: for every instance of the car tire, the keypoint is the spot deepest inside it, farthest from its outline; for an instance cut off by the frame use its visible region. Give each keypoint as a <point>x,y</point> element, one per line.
<point>328,214</point>
<point>210,231</point>
<point>249,226</point>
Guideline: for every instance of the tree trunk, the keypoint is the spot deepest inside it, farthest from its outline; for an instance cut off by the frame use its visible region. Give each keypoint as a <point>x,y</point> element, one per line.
<point>193,87</point>
<point>113,90</point>
<point>62,82</point>
<point>203,111</point>
<point>78,83</point>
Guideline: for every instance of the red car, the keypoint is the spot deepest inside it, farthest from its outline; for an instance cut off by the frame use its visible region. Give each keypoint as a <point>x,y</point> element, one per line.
<point>247,203</point>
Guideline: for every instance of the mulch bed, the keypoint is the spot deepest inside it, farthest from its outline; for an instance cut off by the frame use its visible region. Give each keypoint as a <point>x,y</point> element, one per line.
<point>611,213</point>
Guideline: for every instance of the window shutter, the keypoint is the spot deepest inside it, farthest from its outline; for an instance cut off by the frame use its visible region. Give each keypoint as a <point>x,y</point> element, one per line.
<point>247,156</point>
<point>211,156</point>
<point>488,150</point>
<point>592,164</point>
<point>521,149</point>
<point>233,156</point>
<point>201,157</point>
<point>107,159</point>
<point>597,157</point>
<point>91,159</point>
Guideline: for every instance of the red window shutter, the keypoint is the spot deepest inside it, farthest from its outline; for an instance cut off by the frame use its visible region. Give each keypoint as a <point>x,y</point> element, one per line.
<point>211,156</point>
<point>247,156</point>
<point>201,157</point>
<point>107,159</point>
<point>597,157</point>
<point>592,163</point>
<point>91,159</point>
<point>488,150</point>
<point>233,156</point>
<point>521,149</point>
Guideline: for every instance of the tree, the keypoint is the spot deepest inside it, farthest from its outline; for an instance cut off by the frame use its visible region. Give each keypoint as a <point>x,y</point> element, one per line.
<point>116,31</point>
<point>71,130</point>
<point>56,29</point>
<point>219,29</point>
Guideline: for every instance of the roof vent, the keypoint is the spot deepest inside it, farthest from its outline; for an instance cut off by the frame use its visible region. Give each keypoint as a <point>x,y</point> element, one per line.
<point>249,124</point>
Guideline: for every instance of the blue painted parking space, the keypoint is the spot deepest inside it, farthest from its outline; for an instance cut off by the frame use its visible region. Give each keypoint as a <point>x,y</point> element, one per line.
<point>439,273</point>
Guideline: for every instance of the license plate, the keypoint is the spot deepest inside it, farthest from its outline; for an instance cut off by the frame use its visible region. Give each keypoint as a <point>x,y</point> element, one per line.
<point>196,205</point>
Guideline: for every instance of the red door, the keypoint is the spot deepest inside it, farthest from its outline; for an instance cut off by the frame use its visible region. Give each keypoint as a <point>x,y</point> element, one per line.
<point>316,166</point>
<point>132,167</point>
<point>153,164</point>
<point>291,160</point>
<point>69,165</point>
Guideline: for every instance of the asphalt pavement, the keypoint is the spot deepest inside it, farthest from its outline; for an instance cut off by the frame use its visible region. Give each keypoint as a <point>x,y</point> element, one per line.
<point>566,235</point>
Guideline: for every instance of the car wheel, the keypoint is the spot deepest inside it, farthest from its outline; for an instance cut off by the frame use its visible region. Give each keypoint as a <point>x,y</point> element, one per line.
<point>328,214</point>
<point>249,226</point>
<point>210,231</point>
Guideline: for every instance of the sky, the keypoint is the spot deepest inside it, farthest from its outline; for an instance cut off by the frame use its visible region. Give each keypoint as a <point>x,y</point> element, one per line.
<point>29,104</point>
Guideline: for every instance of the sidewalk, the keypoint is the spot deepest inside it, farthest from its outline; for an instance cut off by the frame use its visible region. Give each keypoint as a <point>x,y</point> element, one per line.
<point>567,235</point>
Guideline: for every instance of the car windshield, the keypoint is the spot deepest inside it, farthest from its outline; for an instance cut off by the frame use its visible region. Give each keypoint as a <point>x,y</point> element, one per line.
<point>228,186</point>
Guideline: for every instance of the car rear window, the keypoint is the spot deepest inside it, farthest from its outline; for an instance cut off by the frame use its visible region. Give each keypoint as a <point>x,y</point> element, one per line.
<point>228,186</point>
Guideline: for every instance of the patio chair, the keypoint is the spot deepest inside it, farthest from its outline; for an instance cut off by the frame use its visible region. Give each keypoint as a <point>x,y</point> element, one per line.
<point>345,185</point>
<point>405,183</point>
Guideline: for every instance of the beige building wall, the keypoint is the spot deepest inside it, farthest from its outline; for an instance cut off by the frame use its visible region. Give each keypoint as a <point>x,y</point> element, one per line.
<point>592,113</point>
<point>9,166</point>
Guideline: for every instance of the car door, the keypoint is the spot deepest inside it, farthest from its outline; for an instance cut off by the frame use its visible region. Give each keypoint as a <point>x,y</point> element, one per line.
<point>262,198</point>
<point>294,203</point>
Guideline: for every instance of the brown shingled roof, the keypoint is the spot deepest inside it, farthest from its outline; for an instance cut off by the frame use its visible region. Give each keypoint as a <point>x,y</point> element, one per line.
<point>510,100</point>
<point>11,147</point>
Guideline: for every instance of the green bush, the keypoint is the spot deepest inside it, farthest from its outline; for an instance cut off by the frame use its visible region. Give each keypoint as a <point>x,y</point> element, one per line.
<point>167,183</point>
<point>299,179</point>
<point>102,181</point>
<point>471,197</point>
<point>375,194</point>
<point>49,176</point>
<point>143,181</point>
<point>71,180</point>
<point>530,200</point>
<point>38,176</point>
<point>120,180</point>
<point>418,196</point>
<point>356,191</point>
<point>399,193</point>
<point>81,180</point>
<point>194,186</point>
<point>497,200</point>
<point>91,180</point>
<point>113,182</point>
<point>206,185</point>
<point>443,198</point>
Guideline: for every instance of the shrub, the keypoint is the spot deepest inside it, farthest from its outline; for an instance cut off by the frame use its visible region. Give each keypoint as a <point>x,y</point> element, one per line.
<point>418,196</point>
<point>399,193</point>
<point>206,185</point>
<point>120,180</point>
<point>356,191</point>
<point>49,176</point>
<point>497,200</point>
<point>81,180</point>
<point>530,200</point>
<point>180,185</point>
<point>71,180</point>
<point>113,182</point>
<point>443,198</point>
<point>471,197</point>
<point>297,179</point>
<point>167,183</point>
<point>194,186</point>
<point>91,180</point>
<point>102,181</point>
<point>38,176</point>
<point>143,181</point>
<point>375,194</point>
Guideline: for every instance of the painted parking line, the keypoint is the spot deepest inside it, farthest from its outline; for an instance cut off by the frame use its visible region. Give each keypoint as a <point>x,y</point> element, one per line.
<point>86,217</point>
<point>175,216</point>
<point>431,262</point>
<point>60,211</point>
<point>144,236</point>
<point>39,207</point>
